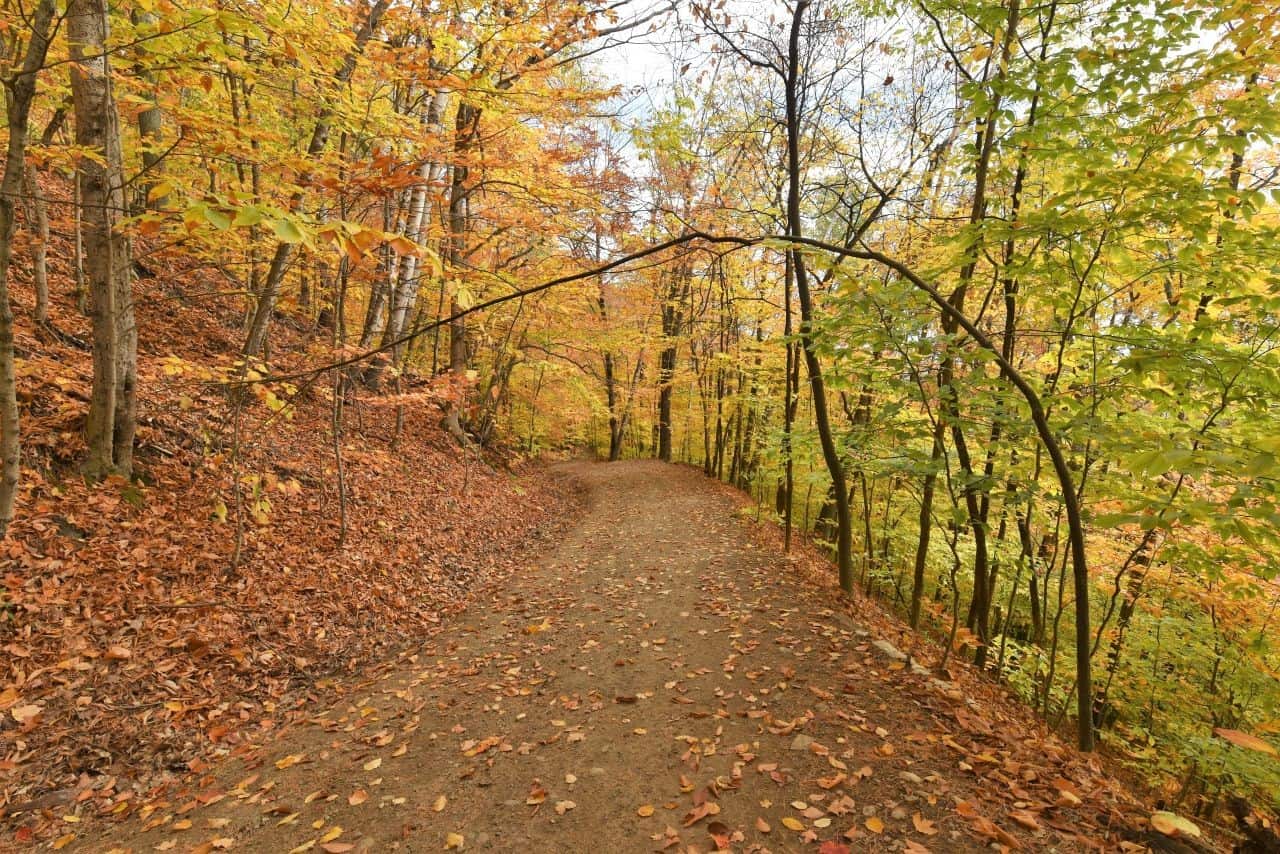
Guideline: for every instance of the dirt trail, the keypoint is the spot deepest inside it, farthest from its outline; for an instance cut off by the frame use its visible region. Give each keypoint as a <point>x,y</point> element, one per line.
<point>662,679</point>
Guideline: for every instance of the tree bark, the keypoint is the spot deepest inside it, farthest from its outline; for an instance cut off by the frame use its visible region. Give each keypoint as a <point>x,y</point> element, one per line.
<point>110,426</point>
<point>830,454</point>
<point>22,90</point>
<point>38,219</point>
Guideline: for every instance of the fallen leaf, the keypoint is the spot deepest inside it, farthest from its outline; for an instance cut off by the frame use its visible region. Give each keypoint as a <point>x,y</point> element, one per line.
<point>1245,740</point>
<point>290,760</point>
<point>1171,824</point>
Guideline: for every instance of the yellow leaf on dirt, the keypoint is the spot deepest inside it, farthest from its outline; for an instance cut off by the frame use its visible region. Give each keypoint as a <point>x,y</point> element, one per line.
<point>645,810</point>
<point>454,841</point>
<point>439,805</point>
<point>290,760</point>
<point>874,824</point>
<point>358,797</point>
<point>63,841</point>
<point>792,824</point>
<point>373,763</point>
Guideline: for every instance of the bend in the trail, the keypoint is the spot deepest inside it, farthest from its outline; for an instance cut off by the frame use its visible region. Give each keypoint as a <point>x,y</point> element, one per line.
<point>663,679</point>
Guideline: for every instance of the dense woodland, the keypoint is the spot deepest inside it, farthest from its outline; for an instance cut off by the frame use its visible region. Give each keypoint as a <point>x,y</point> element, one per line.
<point>982,297</point>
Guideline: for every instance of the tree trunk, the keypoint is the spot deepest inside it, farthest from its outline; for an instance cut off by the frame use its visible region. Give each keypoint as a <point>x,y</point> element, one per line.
<point>149,124</point>
<point>110,425</point>
<point>830,454</point>
<point>38,219</point>
<point>406,291</point>
<point>22,90</point>
<point>466,127</point>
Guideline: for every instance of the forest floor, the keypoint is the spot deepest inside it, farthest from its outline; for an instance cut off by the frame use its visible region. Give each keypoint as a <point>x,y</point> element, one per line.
<point>663,678</point>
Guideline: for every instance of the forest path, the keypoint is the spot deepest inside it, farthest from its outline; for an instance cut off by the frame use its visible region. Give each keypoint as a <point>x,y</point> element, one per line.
<point>662,679</point>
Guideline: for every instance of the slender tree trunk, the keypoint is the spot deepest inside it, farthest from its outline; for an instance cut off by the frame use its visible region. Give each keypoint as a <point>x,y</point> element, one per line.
<point>672,323</point>
<point>38,219</point>
<point>149,126</point>
<point>22,90</point>
<point>110,426</point>
<point>466,128</point>
<point>830,454</point>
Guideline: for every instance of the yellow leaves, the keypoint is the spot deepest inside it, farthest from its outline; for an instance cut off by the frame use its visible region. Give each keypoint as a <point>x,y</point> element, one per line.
<point>373,764</point>
<point>475,748</point>
<point>874,824</point>
<point>791,823</point>
<point>290,760</point>
<point>358,797</point>
<point>454,842</point>
<point>644,810</point>
<point>440,803</point>
<point>63,841</point>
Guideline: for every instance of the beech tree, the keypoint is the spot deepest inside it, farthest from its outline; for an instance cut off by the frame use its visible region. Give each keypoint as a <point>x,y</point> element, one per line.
<point>108,268</point>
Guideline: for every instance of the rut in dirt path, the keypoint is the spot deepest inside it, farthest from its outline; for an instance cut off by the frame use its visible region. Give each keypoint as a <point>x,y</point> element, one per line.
<point>663,679</point>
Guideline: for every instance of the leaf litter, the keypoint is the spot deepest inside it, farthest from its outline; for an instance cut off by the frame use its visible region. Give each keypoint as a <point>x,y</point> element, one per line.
<point>765,719</point>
